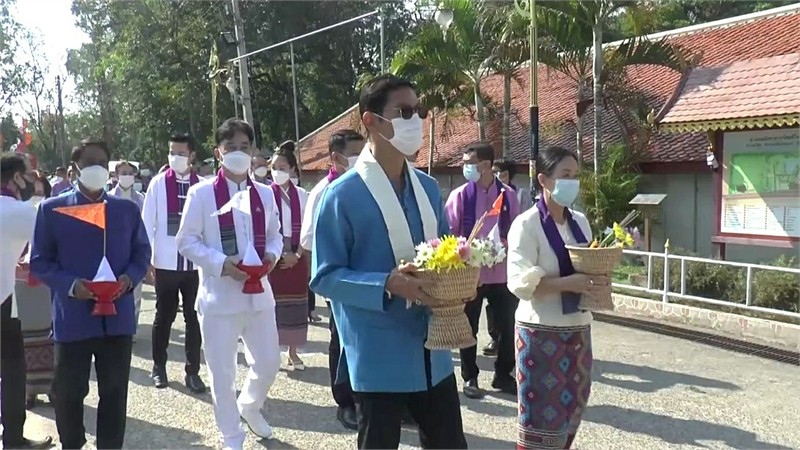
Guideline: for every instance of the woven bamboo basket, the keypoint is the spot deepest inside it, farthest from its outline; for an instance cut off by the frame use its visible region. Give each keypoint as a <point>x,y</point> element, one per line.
<point>449,327</point>
<point>596,261</point>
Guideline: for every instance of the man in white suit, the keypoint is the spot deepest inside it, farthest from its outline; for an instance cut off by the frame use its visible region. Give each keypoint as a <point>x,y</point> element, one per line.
<point>216,243</point>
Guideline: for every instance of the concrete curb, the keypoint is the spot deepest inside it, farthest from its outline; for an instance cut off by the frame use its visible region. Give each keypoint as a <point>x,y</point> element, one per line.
<point>751,329</point>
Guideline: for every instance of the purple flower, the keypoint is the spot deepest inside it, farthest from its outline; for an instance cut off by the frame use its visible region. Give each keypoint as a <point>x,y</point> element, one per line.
<point>434,243</point>
<point>464,251</point>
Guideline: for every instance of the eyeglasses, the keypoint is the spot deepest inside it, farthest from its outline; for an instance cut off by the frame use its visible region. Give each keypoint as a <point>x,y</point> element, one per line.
<point>407,112</point>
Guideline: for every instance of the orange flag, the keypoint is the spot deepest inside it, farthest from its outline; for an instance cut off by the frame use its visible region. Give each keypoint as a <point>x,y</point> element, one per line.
<point>93,213</point>
<point>497,206</point>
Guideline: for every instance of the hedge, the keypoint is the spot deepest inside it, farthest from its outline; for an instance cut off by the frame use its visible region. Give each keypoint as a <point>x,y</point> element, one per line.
<point>774,290</point>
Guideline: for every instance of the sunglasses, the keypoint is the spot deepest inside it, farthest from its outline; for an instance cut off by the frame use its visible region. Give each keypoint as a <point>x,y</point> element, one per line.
<point>407,112</point>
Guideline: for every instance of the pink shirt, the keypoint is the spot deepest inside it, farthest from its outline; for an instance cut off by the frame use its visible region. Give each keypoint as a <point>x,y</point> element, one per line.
<point>454,208</point>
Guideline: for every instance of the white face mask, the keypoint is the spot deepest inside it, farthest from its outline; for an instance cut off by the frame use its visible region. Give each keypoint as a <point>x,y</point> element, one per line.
<point>178,163</point>
<point>261,172</point>
<point>351,161</point>
<point>145,172</point>
<point>294,180</point>
<point>566,191</point>
<point>237,162</point>
<point>137,187</point>
<point>125,181</point>
<point>280,176</point>
<point>407,137</point>
<point>94,178</point>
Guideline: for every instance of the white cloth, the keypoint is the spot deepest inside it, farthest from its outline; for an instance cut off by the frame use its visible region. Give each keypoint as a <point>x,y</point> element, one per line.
<point>530,259</point>
<point>310,215</point>
<point>198,240</point>
<point>154,217</point>
<point>286,208</point>
<point>17,220</point>
<point>259,334</point>
<point>385,196</point>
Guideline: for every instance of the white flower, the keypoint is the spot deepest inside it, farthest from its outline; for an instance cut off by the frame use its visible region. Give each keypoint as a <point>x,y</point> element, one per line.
<point>424,254</point>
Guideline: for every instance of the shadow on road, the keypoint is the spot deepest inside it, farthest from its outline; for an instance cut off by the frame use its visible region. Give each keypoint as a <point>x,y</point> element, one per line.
<point>411,438</point>
<point>138,433</point>
<point>673,430</point>
<point>303,417</point>
<point>649,378</point>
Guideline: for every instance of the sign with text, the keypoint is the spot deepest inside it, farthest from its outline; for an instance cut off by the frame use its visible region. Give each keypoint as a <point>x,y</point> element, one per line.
<point>761,183</point>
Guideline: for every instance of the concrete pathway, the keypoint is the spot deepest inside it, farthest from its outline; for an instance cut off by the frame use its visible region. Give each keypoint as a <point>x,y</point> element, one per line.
<point>650,391</point>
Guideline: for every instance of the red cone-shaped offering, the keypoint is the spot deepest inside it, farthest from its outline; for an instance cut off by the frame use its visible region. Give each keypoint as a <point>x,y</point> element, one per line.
<point>105,291</point>
<point>254,275</point>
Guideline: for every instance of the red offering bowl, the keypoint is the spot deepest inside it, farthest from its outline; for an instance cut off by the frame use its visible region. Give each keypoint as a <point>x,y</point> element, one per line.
<point>254,275</point>
<point>105,292</point>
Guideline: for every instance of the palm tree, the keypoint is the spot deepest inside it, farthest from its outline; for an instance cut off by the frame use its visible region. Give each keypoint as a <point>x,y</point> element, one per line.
<point>510,50</point>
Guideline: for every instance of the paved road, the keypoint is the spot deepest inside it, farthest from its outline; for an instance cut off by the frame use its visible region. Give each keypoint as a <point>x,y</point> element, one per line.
<point>650,392</point>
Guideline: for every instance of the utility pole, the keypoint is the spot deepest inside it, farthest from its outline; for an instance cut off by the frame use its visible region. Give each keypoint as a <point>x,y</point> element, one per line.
<point>61,140</point>
<point>244,77</point>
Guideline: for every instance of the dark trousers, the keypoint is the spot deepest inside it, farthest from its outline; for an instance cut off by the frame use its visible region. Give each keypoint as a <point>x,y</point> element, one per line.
<point>169,283</point>
<point>312,300</point>
<point>112,364</point>
<point>504,304</point>
<point>12,377</point>
<point>342,392</point>
<point>490,325</point>
<point>437,411</point>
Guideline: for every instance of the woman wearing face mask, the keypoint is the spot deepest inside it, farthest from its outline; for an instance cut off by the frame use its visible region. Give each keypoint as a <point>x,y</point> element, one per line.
<point>33,298</point>
<point>290,279</point>
<point>553,334</point>
<point>261,168</point>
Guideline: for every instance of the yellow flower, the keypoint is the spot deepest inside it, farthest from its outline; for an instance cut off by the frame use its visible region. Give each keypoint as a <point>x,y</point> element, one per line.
<point>446,256</point>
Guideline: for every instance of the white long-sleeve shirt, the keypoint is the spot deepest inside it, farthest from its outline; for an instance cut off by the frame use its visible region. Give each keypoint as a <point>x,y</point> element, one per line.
<point>310,215</point>
<point>530,258</point>
<point>17,220</point>
<point>199,240</point>
<point>286,211</point>
<point>154,216</point>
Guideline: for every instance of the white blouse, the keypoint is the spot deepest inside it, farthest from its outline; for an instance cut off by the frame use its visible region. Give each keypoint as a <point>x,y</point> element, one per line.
<point>286,210</point>
<point>530,259</point>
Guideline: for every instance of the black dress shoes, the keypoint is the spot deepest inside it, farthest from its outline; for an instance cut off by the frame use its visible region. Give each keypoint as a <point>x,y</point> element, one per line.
<point>491,349</point>
<point>472,390</point>
<point>348,418</point>
<point>159,376</point>
<point>506,385</point>
<point>195,384</point>
<point>32,443</point>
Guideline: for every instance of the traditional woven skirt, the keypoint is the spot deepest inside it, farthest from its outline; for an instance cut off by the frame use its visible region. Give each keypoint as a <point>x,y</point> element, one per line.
<point>290,287</point>
<point>35,317</point>
<point>554,370</point>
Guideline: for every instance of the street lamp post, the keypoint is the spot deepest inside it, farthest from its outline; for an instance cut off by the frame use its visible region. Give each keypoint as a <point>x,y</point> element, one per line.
<point>527,8</point>
<point>244,76</point>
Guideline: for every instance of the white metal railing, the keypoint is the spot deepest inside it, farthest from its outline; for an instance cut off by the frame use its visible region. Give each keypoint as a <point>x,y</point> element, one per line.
<point>666,292</point>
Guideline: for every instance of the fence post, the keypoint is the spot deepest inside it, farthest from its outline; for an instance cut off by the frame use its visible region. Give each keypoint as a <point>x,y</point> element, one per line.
<point>665,298</point>
<point>748,296</point>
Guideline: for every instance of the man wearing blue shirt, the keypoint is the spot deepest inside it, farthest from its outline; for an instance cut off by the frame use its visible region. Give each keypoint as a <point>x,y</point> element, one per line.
<point>368,222</point>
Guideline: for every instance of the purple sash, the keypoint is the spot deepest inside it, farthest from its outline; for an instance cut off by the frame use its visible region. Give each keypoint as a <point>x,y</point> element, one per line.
<point>469,216</point>
<point>332,175</point>
<point>173,203</point>
<point>227,229</point>
<point>294,205</point>
<point>569,300</point>
<point>5,192</point>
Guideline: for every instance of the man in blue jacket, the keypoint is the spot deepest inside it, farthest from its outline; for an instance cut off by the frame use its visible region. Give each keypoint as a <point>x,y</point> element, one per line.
<point>65,255</point>
<point>368,222</point>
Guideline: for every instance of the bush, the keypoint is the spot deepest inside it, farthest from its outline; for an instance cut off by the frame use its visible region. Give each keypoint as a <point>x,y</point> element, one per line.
<point>606,198</point>
<point>774,290</point>
<point>777,290</point>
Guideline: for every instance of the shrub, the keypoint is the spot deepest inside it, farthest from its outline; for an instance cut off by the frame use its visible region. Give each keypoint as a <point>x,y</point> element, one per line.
<point>606,198</point>
<point>774,290</point>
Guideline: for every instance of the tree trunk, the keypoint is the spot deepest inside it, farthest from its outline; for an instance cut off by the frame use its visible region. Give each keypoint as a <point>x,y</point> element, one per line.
<point>597,69</point>
<point>506,114</point>
<point>579,122</point>
<point>479,108</point>
<point>431,141</point>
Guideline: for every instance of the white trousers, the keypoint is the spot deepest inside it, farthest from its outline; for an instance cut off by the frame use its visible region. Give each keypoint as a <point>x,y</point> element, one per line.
<point>259,334</point>
<point>137,302</point>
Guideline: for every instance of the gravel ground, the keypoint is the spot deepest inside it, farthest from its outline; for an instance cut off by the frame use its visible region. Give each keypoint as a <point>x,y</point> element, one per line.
<point>650,391</point>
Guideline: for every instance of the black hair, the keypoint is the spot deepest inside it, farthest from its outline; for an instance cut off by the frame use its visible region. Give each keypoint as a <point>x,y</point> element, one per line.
<point>483,151</point>
<point>230,127</point>
<point>10,165</point>
<point>126,163</point>
<point>48,189</point>
<point>287,151</point>
<point>550,157</point>
<point>339,139</point>
<point>77,151</point>
<point>505,165</point>
<point>375,93</point>
<point>184,138</point>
